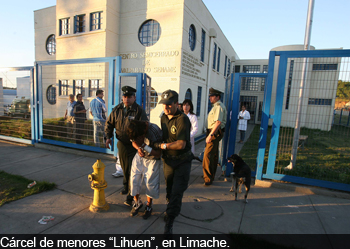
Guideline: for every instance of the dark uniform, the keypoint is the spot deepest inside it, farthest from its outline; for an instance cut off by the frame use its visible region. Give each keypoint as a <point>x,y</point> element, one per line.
<point>177,163</point>
<point>80,120</point>
<point>119,120</point>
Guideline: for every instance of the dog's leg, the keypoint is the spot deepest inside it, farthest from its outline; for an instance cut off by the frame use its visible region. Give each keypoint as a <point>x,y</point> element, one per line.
<point>236,188</point>
<point>233,181</point>
<point>247,188</point>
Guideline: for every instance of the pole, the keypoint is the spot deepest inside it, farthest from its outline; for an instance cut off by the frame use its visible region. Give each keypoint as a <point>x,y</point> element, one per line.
<point>302,84</point>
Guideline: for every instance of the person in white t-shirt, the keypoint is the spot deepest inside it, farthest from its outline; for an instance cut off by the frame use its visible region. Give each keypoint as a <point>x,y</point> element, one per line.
<point>243,118</point>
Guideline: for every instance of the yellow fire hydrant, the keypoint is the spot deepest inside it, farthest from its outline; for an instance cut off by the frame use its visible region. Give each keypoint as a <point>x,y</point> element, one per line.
<point>98,184</point>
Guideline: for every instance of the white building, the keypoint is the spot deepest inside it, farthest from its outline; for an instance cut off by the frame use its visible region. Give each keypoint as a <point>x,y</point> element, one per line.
<point>177,43</point>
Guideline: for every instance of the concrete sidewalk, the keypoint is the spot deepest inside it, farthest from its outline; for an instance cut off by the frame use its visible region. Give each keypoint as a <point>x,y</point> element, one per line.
<point>287,209</point>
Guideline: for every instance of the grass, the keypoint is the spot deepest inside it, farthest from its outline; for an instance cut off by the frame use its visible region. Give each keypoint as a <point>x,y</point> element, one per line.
<point>325,156</point>
<point>14,187</point>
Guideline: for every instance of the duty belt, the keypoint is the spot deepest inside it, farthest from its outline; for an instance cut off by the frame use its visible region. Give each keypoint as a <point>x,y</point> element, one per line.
<point>179,157</point>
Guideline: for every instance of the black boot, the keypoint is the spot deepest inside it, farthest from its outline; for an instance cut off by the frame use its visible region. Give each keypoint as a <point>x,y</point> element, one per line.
<point>168,229</point>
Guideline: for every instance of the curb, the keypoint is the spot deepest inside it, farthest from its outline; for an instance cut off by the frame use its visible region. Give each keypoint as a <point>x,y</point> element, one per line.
<point>74,151</point>
<point>302,189</point>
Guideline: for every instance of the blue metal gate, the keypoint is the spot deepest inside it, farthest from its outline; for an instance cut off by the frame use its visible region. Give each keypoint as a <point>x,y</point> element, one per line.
<point>326,69</point>
<point>79,76</point>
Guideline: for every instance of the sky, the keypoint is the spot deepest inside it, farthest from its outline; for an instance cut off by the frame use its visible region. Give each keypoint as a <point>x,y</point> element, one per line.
<point>253,27</point>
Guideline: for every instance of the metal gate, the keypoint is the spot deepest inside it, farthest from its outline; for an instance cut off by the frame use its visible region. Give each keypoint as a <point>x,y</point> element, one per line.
<point>56,80</point>
<point>15,104</point>
<point>304,143</point>
<point>232,103</point>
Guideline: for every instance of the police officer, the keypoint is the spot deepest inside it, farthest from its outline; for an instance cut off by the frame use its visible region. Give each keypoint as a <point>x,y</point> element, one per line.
<point>215,131</point>
<point>119,120</point>
<point>177,155</point>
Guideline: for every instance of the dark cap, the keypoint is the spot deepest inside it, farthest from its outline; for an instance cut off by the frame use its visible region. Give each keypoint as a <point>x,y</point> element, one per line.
<point>213,92</point>
<point>128,91</point>
<point>168,97</point>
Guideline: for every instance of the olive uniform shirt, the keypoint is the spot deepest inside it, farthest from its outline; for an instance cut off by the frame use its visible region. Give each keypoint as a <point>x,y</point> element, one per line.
<point>218,112</point>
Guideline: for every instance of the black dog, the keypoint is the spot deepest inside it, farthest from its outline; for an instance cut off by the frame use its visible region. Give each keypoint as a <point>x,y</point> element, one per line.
<point>241,174</point>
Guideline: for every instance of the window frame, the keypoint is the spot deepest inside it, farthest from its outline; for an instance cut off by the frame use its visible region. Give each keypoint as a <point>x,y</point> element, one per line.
<point>79,25</point>
<point>192,37</point>
<point>91,89</point>
<point>79,84</point>
<point>50,94</point>
<point>199,100</point>
<point>64,26</point>
<point>96,25</point>
<point>149,32</point>
<point>63,87</point>
<point>218,66</point>
<point>214,56</point>
<point>51,44</point>
<point>203,45</point>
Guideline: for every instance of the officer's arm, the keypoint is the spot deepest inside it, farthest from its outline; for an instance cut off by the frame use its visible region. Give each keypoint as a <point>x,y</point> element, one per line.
<point>177,145</point>
<point>109,127</point>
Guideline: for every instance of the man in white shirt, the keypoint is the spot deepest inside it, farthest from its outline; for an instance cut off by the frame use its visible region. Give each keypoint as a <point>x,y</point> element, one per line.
<point>243,118</point>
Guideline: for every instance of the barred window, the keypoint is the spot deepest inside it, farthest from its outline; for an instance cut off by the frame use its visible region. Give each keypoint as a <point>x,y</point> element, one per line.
<point>79,24</point>
<point>154,98</point>
<point>51,94</point>
<point>219,52</point>
<point>64,26</point>
<point>203,46</point>
<point>192,37</point>
<point>94,85</point>
<point>149,33</point>
<point>225,65</point>
<point>237,69</point>
<point>250,84</point>
<point>96,21</point>
<point>199,99</point>
<point>318,67</point>
<point>313,101</point>
<point>79,87</point>
<point>51,45</point>
<point>188,94</point>
<point>251,69</point>
<point>63,86</point>
<point>229,67</point>
<point>214,57</point>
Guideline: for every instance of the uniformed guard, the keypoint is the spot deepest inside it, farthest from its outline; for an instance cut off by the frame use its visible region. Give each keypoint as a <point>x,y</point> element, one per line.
<point>177,155</point>
<point>119,120</point>
<point>215,131</point>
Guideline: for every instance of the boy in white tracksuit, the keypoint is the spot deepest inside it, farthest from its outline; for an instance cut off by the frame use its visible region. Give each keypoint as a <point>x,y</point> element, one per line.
<point>146,163</point>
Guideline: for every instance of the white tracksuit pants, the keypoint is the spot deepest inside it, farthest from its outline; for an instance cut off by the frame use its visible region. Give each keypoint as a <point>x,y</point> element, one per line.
<point>148,170</point>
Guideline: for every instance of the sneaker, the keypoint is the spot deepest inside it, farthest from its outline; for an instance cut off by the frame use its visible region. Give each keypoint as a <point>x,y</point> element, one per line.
<point>128,203</point>
<point>135,209</point>
<point>147,213</point>
<point>118,174</point>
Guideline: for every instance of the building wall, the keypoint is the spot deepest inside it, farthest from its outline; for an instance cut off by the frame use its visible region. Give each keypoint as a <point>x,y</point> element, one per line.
<point>319,84</point>
<point>170,62</point>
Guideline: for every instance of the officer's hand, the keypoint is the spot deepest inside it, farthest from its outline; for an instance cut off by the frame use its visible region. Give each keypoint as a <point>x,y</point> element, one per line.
<point>108,142</point>
<point>141,154</point>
